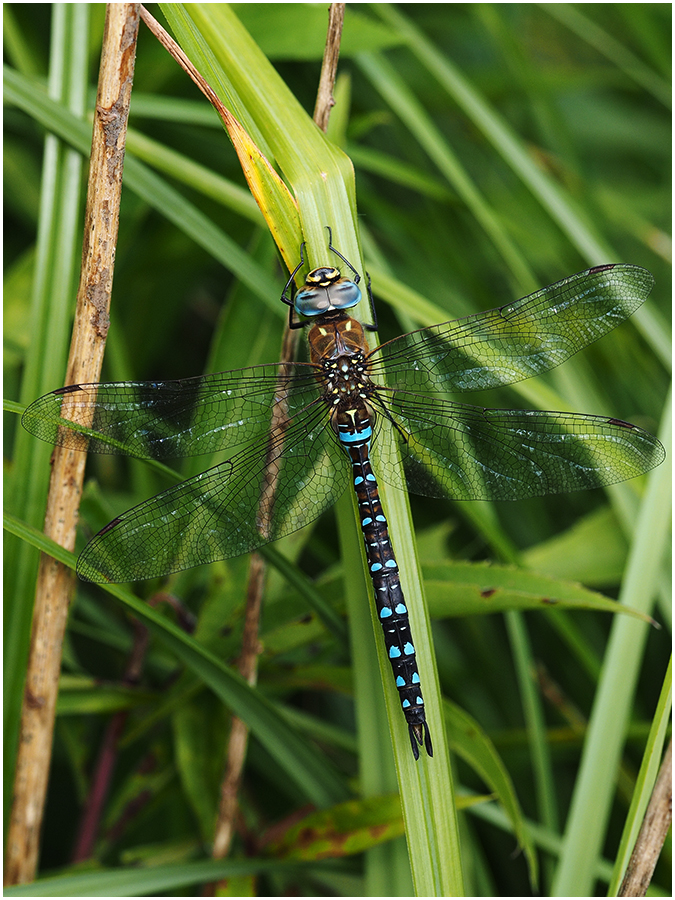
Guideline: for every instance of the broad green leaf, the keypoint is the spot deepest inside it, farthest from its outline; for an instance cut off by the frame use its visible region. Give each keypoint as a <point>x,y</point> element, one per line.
<point>462,589</point>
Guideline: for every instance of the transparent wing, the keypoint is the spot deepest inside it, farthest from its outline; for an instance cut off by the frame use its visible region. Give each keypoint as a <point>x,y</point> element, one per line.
<point>469,453</point>
<point>517,341</point>
<point>167,419</point>
<point>229,509</point>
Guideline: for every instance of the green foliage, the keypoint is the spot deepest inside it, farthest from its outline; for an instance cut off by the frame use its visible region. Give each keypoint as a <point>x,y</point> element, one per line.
<point>497,149</point>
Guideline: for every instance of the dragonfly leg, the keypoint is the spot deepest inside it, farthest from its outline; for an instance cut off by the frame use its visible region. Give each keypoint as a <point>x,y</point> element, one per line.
<point>291,284</point>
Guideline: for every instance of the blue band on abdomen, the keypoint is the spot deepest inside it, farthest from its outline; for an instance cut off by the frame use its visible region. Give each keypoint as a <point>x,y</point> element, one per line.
<point>364,435</point>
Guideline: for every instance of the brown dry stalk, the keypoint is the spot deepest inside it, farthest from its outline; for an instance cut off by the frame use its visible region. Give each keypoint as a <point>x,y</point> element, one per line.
<point>55,582</point>
<point>324,97</point>
<point>653,832</point>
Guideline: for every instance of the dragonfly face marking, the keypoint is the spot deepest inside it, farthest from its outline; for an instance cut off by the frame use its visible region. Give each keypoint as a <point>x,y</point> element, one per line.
<point>285,479</point>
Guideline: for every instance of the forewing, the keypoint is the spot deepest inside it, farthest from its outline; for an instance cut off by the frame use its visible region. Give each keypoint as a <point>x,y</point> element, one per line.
<point>469,453</point>
<point>228,510</point>
<point>516,341</point>
<point>169,419</point>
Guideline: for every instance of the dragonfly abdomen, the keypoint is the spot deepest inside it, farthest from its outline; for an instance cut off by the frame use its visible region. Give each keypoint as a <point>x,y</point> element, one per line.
<point>354,428</point>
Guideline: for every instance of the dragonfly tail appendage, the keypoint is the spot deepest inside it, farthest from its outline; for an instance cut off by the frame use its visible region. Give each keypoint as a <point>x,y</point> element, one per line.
<point>419,735</point>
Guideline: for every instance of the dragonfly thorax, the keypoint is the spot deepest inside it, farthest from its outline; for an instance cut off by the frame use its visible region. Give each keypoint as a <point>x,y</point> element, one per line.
<point>336,336</point>
<point>339,350</point>
<point>345,379</point>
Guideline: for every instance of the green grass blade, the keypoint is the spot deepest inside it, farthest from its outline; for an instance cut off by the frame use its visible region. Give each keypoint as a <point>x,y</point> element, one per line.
<point>189,173</point>
<point>157,192</point>
<point>584,833</point>
<point>470,741</point>
<point>267,107</point>
<point>145,881</point>
<point>502,138</point>
<point>612,49</point>
<point>400,98</point>
<point>559,204</point>
<point>533,714</point>
<point>52,290</point>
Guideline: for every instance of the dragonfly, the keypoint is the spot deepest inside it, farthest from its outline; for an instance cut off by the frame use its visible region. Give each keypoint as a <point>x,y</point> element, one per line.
<point>299,433</point>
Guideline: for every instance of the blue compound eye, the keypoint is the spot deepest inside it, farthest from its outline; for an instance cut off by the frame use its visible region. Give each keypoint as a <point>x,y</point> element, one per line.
<point>326,290</point>
<point>344,294</point>
<point>311,301</point>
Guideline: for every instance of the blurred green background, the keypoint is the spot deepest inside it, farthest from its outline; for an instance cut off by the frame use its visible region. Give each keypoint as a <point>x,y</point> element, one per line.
<point>532,143</point>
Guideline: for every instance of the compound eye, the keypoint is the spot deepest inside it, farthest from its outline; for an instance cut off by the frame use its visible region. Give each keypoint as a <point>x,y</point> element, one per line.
<point>311,301</point>
<point>344,294</point>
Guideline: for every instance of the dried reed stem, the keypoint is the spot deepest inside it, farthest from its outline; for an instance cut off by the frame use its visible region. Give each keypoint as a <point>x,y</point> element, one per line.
<point>55,582</point>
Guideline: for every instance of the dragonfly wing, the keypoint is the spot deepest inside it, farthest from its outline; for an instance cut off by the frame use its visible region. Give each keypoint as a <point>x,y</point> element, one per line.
<point>470,453</point>
<point>169,419</point>
<point>516,341</point>
<point>228,510</point>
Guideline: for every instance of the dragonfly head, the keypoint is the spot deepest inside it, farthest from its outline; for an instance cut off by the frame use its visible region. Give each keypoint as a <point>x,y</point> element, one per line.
<point>325,290</point>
